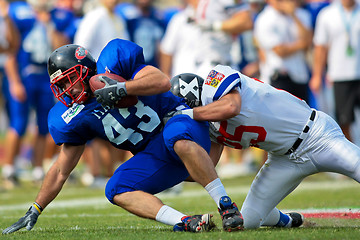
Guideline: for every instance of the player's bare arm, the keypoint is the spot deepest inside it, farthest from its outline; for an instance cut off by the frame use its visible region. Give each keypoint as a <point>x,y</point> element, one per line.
<point>226,107</point>
<point>148,81</point>
<point>238,23</point>
<point>54,180</point>
<point>58,173</point>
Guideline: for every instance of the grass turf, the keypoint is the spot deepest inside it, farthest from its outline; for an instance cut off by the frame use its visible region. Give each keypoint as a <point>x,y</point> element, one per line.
<point>84,213</point>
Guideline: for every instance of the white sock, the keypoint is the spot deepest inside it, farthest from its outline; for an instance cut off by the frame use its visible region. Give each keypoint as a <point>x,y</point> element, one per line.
<point>8,170</point>
<point>169,216</point>
<point>216,190</point>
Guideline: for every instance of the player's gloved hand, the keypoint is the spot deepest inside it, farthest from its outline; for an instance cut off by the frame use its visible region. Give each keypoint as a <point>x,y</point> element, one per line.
<point>27,221</point>
<point>189,112</point>
<point>207,26</point>
<point>111,93</point>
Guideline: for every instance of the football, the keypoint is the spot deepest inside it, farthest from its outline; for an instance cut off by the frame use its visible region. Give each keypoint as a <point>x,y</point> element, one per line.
<point>96,84</point>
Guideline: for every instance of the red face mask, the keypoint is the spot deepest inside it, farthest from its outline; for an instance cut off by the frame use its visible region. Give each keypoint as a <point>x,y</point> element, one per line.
<point>62,85</point>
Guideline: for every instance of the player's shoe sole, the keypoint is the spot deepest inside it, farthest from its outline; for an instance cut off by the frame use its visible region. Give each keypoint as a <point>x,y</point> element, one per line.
<point>195,223</point>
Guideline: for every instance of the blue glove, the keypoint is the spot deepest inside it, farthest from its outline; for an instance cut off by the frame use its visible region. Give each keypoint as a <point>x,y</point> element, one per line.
<point>27,221</point>
<point>111,93</point>
<point>189,112</point>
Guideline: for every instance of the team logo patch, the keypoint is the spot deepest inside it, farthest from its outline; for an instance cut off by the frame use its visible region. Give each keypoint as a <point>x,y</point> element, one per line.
<point>214,78</point>
<point>72,112</point>
<point>80,53</point>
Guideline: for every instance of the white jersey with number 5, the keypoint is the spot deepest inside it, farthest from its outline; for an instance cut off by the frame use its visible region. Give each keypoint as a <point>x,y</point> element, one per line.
<point>274,120</point>
<point>270,119</point>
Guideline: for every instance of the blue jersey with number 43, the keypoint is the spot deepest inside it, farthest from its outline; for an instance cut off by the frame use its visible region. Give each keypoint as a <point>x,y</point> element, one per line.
<point>126,128</point>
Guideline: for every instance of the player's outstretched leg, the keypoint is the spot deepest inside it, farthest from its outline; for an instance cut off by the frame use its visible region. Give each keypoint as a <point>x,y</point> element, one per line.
<point>195,223</point>
<point>230,215</point>
<point>297,219</point>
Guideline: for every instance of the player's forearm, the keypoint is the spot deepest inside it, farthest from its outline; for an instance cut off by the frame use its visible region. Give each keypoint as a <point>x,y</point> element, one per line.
<point>148,81</point>
<point>286,50</point>
<point>165,63</point>
<point>58,173</point>
<point>320,55</point>
<point>239,23</point>
<point>227,107</point>
<point>11,70</point>
<point>52,185</point>
<point>12,35</point>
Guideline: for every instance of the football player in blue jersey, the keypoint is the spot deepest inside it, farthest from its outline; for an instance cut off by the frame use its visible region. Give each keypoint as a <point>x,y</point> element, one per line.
<point>163,155</point>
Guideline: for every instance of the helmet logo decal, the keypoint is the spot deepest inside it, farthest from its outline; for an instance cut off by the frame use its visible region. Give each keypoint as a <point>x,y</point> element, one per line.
<point>80,53</point>
<point>186,88</point>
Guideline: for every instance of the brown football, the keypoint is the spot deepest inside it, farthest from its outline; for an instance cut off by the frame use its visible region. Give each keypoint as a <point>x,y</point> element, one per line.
<point>95,84</point>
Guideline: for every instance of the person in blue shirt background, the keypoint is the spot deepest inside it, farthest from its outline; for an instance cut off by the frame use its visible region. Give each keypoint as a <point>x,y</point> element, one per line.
<point>27,87</point>
<point>146,26</point>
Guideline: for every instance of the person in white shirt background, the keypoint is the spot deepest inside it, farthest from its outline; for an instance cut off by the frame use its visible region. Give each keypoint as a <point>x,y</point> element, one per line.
<point>336,56</point>
<point>99,26</point>
<point>283,34</point>
<point>177,45</point>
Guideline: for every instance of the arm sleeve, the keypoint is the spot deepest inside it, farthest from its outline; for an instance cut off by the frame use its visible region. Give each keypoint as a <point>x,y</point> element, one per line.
<point>168,43</point>
<point>321,35</point>
<point>220,81</point>
<point>73,132</point>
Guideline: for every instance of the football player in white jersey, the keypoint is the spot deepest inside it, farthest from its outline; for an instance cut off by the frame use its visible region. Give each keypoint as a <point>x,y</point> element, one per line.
<point>300,141</point>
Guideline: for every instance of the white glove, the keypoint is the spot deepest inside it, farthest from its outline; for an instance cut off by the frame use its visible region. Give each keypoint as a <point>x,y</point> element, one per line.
<point>207,26</point>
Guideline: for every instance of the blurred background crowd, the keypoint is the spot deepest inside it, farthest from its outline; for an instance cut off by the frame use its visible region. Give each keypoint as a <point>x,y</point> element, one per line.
<point>310,48</point>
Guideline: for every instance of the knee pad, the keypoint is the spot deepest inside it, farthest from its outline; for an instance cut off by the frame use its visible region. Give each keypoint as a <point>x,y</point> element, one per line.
<point>251,218</point>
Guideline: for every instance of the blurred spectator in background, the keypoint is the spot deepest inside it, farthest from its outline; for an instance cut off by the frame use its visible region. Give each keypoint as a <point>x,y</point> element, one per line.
<point>9,42</point>
<point>146,25</point>
<point>98,26</point>
<point>337,54</point>
<point>283,34</point>
<point>219,21</point>
<point>314,7</point>
<point>66,17</point>
<point>29,84</point>
<point>179,41</point>
<point>246,56</point>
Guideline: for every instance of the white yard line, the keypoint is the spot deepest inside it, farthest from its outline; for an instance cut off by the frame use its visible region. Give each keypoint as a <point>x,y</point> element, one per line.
<point>100,202</point>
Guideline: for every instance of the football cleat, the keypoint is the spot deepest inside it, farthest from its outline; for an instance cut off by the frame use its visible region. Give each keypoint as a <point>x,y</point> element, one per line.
<point>297,219</point>
<point>195,223</point>
<point>230,215</point>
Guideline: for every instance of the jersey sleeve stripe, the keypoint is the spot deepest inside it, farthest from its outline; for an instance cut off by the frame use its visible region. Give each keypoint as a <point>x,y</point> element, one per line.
<point>228,84</point>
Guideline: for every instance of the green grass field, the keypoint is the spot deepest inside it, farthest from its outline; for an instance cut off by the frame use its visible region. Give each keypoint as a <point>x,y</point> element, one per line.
<point>84,213</point>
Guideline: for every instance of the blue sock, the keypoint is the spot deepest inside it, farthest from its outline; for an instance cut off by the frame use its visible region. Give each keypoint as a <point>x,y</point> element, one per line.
<point>283,221</point>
